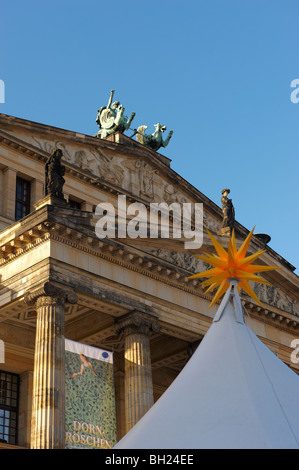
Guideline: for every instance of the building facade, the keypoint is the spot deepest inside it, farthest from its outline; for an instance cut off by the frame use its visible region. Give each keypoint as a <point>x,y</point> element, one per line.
<point>129,296</point>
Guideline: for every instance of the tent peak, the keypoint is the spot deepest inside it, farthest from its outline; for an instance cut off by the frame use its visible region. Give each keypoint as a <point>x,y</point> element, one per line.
<point>231,297</point>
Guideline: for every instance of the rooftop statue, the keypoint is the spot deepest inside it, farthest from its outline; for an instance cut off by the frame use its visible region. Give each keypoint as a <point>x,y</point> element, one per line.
<point>111,118</point>
<point>54,173</point>
<point>228,211</point>
<point>153,141</point>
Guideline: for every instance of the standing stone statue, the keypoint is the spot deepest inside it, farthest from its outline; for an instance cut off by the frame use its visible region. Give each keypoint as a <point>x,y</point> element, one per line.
<point>111,119</point>
<point>228,211</point>
<point>54,173</point>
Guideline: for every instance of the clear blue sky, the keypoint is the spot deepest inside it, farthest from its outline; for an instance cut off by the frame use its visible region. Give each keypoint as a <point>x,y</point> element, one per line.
<point>217,72</point>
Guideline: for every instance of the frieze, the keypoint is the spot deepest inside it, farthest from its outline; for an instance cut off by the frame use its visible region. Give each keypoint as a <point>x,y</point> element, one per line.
<point>270,295</point>
<point>139,264</point>
<point>275,297</point>
<point>184,260</point>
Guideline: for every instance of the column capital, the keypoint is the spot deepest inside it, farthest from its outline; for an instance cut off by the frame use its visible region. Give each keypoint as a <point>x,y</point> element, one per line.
<point>136,322</point>
<point>50,290</point>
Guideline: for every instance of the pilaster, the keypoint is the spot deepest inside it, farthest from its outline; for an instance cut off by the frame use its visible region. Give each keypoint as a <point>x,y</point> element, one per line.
<point>9,192</point>
<point>37,191</point>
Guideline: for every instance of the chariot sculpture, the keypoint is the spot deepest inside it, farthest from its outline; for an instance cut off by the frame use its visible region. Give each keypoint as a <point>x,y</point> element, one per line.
<point>111,119</point>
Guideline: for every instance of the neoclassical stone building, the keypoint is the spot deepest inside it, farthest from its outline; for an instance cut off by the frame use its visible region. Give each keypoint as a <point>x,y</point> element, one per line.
<point>129,296</point>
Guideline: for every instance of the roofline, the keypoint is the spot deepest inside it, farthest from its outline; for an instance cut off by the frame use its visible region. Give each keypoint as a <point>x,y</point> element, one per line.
<point>88,139</point>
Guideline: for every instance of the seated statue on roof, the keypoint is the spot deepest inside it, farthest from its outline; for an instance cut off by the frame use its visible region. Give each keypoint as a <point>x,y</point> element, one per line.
<point>111,119</point>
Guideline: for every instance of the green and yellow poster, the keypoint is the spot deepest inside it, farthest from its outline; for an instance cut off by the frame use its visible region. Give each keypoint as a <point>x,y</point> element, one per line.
<point>90,421</point>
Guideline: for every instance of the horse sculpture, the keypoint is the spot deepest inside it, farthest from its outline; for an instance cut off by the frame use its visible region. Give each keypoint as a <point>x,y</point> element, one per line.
<point>153,141</point>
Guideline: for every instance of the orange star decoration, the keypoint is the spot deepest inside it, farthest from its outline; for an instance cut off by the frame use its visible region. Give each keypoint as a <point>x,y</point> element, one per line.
<point>232,264</point>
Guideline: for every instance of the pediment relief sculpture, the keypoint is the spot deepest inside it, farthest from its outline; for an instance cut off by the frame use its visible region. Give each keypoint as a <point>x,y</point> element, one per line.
<point>133,175</point>
<point>110,170</point>
<point>173,195</point>
<point>144,176</point>
<point>210,223</point>
<point>98,163</point>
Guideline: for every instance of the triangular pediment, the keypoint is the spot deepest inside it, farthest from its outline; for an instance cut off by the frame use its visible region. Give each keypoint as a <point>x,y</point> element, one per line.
<point>123,163</point>
<point>123,166</point>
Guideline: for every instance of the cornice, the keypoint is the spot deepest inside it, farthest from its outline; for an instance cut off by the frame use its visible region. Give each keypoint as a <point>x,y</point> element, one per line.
<point>271,315</point>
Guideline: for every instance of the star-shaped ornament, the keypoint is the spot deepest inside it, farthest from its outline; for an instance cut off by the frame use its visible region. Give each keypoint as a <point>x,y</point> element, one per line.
<point>232,264</point>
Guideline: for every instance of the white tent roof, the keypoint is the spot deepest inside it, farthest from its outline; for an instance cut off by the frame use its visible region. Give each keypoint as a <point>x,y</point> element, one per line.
<point>233,393</point>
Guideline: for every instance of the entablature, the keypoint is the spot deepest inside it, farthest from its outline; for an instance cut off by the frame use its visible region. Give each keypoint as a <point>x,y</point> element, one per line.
<point>50,225</point>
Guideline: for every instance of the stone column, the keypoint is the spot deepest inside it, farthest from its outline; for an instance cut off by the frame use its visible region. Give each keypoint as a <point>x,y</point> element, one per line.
<point>47,424</point>
<point>136,328</point>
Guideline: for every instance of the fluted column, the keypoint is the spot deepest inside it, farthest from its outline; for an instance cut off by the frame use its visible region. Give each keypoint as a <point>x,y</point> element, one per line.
<point>48,417</point>
<point>136,328</point>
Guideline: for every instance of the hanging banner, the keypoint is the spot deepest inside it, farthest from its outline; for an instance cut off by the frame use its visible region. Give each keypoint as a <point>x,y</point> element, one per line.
<point>90,421</point>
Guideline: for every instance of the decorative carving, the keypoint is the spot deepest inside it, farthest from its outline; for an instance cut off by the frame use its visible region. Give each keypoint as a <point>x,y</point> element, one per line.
<point>228,211</point>
<point>54,172</point>
<point>146,177</point>
<point>171,195</point>
<point>145,174</point>
<point>81,160</point>
<point>111,119</point>
<point>49,290</point>
<point>136,322</point>
<point>111,168</point>
<point>86,160</point>
<point>153,141</point>
<point>184,260</point>
<point>275,297</point>
<point>48,147</point>
<point>210,223</point>
<point>110,171</point>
